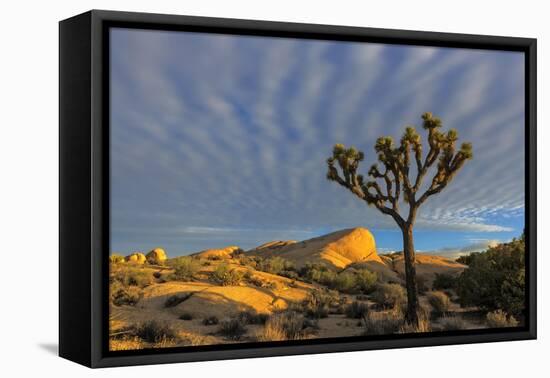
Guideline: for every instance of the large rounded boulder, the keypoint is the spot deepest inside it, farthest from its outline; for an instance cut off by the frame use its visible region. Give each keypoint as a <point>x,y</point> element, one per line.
<point>156,256</point>
<point>136,258</point>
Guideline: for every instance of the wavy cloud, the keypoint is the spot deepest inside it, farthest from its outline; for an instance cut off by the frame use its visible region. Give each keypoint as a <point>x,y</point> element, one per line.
<point>213,132</point>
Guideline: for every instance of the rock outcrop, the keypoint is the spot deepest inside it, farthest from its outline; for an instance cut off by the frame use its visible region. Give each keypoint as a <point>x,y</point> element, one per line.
<point>136,258</point>
<point>156,256</point>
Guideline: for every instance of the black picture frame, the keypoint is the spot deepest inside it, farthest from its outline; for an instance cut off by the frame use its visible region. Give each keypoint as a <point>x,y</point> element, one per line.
<point>84,186</point>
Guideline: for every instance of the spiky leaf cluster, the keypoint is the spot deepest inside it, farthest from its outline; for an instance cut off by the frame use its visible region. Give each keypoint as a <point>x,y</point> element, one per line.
<point>393,170</point>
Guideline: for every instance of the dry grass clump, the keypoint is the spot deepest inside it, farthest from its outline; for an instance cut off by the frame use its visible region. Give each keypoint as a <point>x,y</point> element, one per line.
<point>132,276</point>
<point>451,323</point>
<point>500,319</point>
<point>252,317</point>
<point>125,296</point>
<point>288,325</point>
<point>356,310</point>
<point>318,303</point>
<point>439,301</point>
<point>383,323</point>
<point>232,329</point>
<point>126,343</point>
<point>155,332</point>
<point>389,295</point>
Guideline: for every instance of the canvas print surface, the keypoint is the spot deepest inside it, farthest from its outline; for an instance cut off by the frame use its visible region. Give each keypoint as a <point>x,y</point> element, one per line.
<point>270,189</point>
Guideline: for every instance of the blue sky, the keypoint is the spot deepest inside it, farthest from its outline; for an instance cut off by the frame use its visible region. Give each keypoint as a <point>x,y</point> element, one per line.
<point>222,140</point>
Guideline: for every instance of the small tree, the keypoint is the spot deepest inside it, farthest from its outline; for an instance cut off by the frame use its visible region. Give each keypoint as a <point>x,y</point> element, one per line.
<point>398,177</point>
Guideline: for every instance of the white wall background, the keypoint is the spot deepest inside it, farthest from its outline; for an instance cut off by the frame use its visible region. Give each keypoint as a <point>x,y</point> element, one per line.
<point>29,186</point>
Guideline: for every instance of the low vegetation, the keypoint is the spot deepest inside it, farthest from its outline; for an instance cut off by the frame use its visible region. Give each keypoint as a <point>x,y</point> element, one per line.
<point>500,319</point>
<point>357,310</point>
<point>224,275</point>
<point>185,268</point>
<point>232,329</point>
<point>495,279</point>
<point>439,301</point>
<point>389,296</point>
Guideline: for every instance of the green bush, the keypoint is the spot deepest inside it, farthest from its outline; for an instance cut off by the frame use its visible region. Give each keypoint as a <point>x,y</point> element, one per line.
<point>389,295</point>
<point>232,329</point>
<point>444,281</point>
<point>225,276</point>
<point>185,268</point>
<point>357,310</point>
<point>439,301</point>
<point>366,280</point>
<point>499,319</point>
<point>275,265</point>
<point>344,282</point>
<point>211,320</point>
<point>495,279</point>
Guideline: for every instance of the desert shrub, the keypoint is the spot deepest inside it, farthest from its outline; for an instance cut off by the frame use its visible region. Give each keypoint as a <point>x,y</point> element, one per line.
<point>382,323</point>
<point>211,320</point>
<point>366,280</point>
<point>116,258</point>
<point>185,268</point>
<point>293,275</point>
<point>421,284</point>
<point>232,329</point>
<point>175,300</point>
<point>276,265</point>
<point>444,281</point>
<point>356,310</point>
<point>186,316</point>
<point>439,301</point>
<point>424,325</point>
<point>451,323</point>
<point>287,325</point>
<point>225,276</point>
<point>499,319</point>
<point>312,272</point>
<point>495,279</point>
<point>130,276</point>
<point>344,282</point>
<point>154,332</point>
<point>317,304</point>
<point>125,296</point>
<point>252,317</point>
<point>389,295</point>
<point>467,259</point>
<point>157,275</point>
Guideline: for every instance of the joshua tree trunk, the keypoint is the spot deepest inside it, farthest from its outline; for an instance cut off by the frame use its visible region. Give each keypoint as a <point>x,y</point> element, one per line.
<point>401,186</point>
<point>410,274</point>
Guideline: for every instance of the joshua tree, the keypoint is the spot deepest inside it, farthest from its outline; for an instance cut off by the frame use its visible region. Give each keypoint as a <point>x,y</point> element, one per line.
<point>398,177</point>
